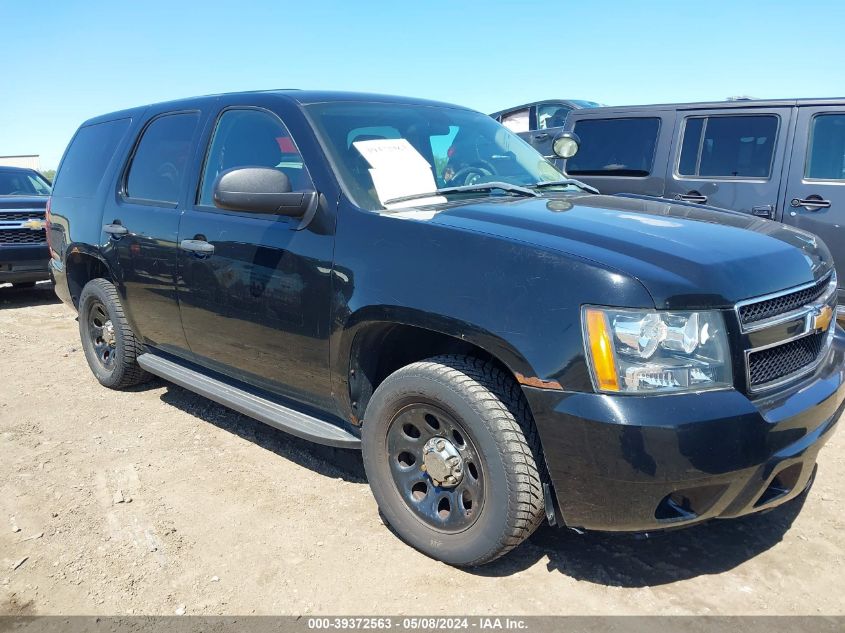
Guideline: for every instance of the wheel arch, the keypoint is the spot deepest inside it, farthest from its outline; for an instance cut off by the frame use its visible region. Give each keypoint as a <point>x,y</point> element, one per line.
<point>82,264</point>
<point>380,340</point>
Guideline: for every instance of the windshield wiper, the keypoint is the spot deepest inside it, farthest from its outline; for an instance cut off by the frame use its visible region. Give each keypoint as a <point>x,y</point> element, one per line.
<point>566,181</point>
<point>481,186</point>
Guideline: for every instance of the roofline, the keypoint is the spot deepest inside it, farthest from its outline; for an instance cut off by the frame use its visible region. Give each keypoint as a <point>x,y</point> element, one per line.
<point>294,95</point>
<point>718,105</point>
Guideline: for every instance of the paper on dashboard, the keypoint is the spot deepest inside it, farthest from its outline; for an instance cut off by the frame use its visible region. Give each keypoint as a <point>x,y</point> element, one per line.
<point>397,170</point>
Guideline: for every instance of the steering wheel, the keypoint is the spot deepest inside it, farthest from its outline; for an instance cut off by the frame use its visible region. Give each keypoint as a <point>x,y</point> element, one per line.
<point>17,192</point>
<point>473,174</point>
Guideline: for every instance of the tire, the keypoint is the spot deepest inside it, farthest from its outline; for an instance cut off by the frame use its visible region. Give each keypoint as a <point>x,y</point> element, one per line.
<point>496,508</point>
<point>21,285</point>
<point>111,352</point>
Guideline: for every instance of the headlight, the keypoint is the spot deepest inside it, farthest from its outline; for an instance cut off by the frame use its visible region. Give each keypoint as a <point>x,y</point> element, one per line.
<point>647,351</point>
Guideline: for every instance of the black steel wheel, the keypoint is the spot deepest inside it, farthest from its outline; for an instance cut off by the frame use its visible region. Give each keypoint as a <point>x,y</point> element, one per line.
<point>436,467</point>
<point>111,347</point>
<point>452,458</point>
<point>101,333</point>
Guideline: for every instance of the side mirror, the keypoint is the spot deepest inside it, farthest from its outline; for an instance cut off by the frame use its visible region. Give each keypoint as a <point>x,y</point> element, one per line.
<point>261,190</point>
<point>565,144</point>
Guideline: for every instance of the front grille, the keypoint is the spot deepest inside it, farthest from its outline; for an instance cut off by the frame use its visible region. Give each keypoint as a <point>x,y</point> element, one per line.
<point>22,236</point>
<point>776,362</point>
<point>754,312</point>
<point>17,216</point>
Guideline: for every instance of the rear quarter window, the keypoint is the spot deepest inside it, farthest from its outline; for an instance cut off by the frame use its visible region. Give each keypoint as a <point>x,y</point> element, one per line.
<point>615,147</point>
<point>87,158</point>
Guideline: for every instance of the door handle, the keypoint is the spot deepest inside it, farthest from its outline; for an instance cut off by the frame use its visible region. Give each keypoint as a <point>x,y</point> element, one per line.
<point>200,247</point>
<point>763,211</point>
<point>811,203</point>
<point>691,197</point>
<point>542,136</point>
<point>115,229</point>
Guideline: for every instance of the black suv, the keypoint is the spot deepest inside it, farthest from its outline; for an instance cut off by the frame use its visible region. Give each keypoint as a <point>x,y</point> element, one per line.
<point>413,279</point>
<point>23,245</point>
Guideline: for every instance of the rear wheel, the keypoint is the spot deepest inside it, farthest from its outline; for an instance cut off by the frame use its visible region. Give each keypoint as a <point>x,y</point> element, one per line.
<point>111,347</point>
<point>452,458</point>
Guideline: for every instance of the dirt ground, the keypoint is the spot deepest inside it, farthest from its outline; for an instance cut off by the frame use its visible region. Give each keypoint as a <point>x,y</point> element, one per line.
<point>157,501</point>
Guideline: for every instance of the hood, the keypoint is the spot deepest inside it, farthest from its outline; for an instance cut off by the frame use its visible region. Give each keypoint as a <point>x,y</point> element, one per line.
<point>685,256</point>
<point>8,203</point>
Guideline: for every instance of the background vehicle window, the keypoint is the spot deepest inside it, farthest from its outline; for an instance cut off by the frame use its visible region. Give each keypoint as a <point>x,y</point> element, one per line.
<point>22,183</point>
<point>689,147</point>
<point>252,138</point>
<point>161,158</point>
<point>826,154</point>
<point>615,147</point>
<point>551,115</point>
<point>516,121</point>
<point>728,146</point>
<point>85,162</point>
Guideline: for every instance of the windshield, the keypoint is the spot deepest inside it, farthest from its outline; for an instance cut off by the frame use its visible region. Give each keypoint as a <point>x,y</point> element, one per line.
<point>23,183</point>
<point>386,151</point>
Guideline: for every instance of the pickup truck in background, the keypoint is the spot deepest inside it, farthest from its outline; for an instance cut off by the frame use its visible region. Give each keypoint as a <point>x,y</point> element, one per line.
<point>23,243</point>
<point>541,121</point>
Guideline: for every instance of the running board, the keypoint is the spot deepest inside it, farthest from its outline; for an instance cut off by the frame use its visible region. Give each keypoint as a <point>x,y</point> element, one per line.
<point>276,415</point>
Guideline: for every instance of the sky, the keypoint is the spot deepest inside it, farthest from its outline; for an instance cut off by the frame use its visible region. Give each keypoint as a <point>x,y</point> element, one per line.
<point>65,61</point>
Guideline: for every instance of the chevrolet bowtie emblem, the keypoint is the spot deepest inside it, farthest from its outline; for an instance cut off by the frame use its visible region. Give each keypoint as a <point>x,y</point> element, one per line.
<point>822,319</point>
<point>34,224</point>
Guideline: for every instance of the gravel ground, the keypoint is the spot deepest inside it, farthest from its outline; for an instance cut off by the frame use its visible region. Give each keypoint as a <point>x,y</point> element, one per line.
<point>157,501</point>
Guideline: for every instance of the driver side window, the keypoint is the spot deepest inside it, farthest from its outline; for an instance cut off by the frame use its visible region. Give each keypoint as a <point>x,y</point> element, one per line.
<point>252,138</point>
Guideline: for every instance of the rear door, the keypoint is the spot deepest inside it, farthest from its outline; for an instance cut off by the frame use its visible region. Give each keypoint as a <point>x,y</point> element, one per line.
<point>141,223</point>
<point>729,158</point>
<point>814,197</point>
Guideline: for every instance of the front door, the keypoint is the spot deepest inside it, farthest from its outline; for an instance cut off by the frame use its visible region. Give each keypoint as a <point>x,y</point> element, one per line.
<point>551,118</point>
<point>255,289</point>
<point>729,160</point>
<point>814,197</point>
<point>141,223</point>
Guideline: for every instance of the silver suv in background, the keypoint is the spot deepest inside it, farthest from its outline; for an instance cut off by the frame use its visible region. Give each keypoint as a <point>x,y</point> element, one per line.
<point>540,122</point>
<point>783,160</point>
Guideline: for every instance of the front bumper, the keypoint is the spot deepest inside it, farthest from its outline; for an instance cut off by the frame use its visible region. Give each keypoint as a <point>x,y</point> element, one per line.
<point>23,263</point>
<point>637,463</point>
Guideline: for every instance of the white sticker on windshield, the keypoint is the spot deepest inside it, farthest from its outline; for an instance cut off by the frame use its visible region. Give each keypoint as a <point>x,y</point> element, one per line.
<point>398,170</point>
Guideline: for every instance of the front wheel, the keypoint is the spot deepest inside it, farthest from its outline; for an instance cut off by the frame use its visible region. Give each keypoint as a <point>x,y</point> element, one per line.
<point>453,459</point>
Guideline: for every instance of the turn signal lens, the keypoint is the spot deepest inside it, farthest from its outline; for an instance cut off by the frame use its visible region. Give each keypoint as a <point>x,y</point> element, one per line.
<point>601,350</point>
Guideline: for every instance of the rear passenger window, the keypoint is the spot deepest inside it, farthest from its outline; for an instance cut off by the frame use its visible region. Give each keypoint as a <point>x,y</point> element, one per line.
<point>85,162</point>
<point>826,154</point>
<point>615,147</point>
<point>161,158</point>
<point>252,138</point>
<point>728,146</point>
